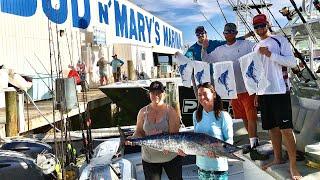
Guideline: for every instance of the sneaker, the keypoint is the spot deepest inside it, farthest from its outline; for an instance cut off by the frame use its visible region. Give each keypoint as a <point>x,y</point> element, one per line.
<point>255,155</point>
<point>246,149</point>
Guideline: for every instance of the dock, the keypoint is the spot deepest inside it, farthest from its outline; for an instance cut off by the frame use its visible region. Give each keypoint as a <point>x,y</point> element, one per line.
<point>33,119</point>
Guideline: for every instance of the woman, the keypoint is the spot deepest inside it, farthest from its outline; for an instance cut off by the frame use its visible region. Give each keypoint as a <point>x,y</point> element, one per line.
<point>210,119</point>
<point>156,118</point>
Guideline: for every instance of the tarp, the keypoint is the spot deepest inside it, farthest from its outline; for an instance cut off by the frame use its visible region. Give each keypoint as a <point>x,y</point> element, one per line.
<point>185,67</point>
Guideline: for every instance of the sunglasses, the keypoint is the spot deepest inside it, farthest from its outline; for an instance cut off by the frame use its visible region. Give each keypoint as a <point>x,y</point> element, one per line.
<point>260,26</point>
<point>230,32</point>
<point>200,34</point>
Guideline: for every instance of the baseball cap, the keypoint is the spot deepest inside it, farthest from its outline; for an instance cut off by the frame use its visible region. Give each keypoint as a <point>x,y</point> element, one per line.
<point>200,29</point>
<point>114,55</point>
<point>156,85</point>
<point>230,28</point>
<point>259,19</point>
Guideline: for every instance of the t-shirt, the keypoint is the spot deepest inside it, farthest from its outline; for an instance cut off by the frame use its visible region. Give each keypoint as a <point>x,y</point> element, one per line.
<point>273,65</point>
<point>220,128</point>
<point>231,53</point>
<point>115,63</point>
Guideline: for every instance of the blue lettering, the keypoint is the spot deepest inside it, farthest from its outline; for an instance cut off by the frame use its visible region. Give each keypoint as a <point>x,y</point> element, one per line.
<point>84,21</point>
<point>133,26</point>
<point>141,27</point>
<point>173,36</point>
<point>179,42</point>
<point>156,28</point>
<point>121,20</point>
<point>165,36</point>
<point>149,27</point>
<point>24,8</point>
<point>58,16</point>
<point>103,13</point>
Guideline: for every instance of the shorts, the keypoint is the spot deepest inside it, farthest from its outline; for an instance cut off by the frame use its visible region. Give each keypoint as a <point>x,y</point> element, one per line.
<point>243,107</point>
<point>173,168</point>
<point>103,73</point>
<point>276,111</point>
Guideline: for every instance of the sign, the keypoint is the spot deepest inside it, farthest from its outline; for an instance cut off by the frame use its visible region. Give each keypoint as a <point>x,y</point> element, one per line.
<point>189,106</point>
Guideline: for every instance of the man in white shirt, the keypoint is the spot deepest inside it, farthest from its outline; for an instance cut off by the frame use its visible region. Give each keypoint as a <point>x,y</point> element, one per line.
<point>243,107</point>
<point>274,101</point>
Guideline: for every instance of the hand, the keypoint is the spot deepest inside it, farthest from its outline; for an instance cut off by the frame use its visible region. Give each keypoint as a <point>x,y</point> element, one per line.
<point>176,54</point>
<point>249,34</point>
<point>205,43</point>
<point>181,153</point>
<point>128,142</point>
<point>211,154</point>
<point>265,51</point>
<point>256,101</point>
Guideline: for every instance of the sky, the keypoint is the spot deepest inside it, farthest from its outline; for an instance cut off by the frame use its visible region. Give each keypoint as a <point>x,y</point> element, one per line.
<point>186,14</point>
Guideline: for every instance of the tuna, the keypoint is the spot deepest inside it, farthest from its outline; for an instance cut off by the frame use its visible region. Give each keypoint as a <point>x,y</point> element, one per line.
<point>190,143</point>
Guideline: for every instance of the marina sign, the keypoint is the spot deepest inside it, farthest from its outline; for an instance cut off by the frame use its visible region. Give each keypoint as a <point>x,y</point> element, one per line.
<point>121,19</point>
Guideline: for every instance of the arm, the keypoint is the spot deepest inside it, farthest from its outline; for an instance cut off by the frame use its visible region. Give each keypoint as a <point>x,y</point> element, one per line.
<point>211,57</point>
<point>227,128</point>
<point>139,126</point>
<point>174,122</point>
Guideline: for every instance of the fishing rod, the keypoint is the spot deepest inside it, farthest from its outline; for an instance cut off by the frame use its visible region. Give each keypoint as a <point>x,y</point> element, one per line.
<point>242,19</point>
<point>41,64</point>
<point>222,11</point>
<point>297,53</point>
<point>210,24</point>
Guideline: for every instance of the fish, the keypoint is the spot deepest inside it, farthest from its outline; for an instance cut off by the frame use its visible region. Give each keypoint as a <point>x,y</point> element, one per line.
<point>250,73</point>
<point>182,68</point>
<point>223,80</point>
<point>199,76</point>
<point>191,143</point>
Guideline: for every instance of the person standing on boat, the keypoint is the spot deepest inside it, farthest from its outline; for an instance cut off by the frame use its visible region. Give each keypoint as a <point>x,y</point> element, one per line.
<point>274,101</point>
<point>210,119</point>
<point>243,107</point>
<point>116,67</point>
<point>155,118</point>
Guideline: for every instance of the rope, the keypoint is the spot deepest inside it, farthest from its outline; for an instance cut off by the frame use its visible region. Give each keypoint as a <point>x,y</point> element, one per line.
<point>222,12</point>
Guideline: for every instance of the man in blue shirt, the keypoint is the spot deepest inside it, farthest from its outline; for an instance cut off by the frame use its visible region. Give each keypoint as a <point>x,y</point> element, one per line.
<point>116,67</point>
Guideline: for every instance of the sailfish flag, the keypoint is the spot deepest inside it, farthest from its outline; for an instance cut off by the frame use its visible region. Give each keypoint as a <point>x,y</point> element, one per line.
<point>224,80</point>
<point>185,68</point>
<point>201,72</point>
<point>253,73</point>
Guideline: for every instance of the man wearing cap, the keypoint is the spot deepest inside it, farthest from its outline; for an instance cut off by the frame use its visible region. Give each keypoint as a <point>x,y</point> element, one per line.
<point>243,107</point>
<point>194,51</point>
<point>116,67</point>
<point>274,101</point>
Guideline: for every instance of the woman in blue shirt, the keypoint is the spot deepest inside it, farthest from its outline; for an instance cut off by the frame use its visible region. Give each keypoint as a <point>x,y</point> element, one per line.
<point>210,119</point>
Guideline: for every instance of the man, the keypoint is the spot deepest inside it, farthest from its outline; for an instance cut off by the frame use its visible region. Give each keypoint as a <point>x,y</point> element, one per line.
<point>274,101</point>
<point>116,68</point>
<point>194,51</point>
<point>243,107</point>
<point>103,70</point>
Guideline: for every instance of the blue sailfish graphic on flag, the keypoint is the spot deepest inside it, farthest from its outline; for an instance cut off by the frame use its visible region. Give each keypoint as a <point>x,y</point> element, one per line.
<point>251,73</point>
<point>199,76</point>
<point>182,68</point>
<point>223,80</point>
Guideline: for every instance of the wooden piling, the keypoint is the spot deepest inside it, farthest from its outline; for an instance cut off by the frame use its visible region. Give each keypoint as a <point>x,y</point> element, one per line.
<point>172,97</point>
<point>11,113</point>
<point>131,70</point>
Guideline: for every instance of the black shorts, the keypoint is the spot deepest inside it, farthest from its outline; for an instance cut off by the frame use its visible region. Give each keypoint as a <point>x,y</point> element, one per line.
<point>173,168</point>
<point>276,111</point>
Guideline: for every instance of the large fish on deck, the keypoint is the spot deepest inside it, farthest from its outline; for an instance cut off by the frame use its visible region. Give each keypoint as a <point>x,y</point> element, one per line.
<point>189,142</point>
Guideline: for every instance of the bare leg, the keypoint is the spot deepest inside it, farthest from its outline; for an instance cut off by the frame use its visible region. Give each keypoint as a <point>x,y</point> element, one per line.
<point>245,122</point>
<point>251,128</point>
<point>101,80</point>
<point>276,140</point>
<point>291,148</point>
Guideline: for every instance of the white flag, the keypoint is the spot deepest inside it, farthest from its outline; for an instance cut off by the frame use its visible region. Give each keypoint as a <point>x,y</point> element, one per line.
<point>185,69</point>
<point>253,73</point>
<point>201,72</point>
<point>224,80</point>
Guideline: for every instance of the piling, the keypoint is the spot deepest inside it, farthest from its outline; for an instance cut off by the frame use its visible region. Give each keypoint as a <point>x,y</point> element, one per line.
<point>11,113</point>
